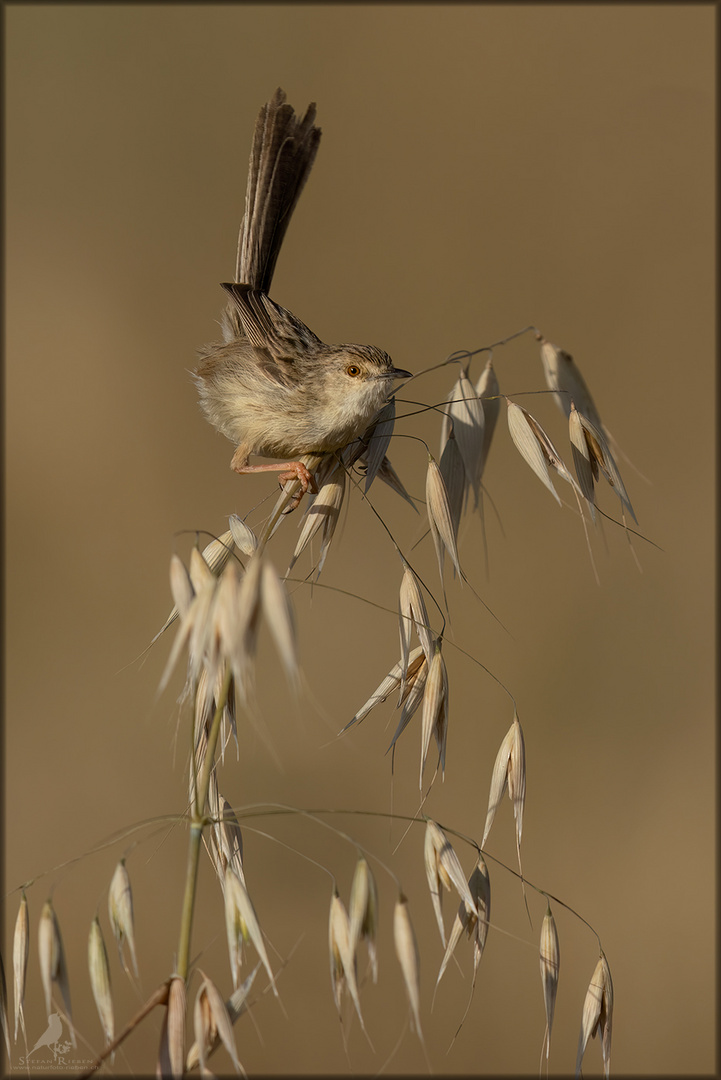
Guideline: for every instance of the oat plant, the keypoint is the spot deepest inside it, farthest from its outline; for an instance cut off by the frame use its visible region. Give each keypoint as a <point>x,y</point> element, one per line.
<point>224,596</point>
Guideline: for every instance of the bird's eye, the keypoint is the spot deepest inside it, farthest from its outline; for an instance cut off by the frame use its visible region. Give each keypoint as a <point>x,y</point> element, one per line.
<point>353,370</point>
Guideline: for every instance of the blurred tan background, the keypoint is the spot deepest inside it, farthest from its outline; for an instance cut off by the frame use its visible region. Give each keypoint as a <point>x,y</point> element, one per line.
<point>481,168</point>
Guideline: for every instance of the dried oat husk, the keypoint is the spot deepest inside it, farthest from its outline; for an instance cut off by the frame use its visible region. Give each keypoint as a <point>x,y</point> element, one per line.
<point>243,536</point>
<point>378,439</point>
<point>454,477</point>
<point>21,949</point>
<point>526,442</point>
<point>4,1021</point>
<point>407,952</point>
<point>597,1014</point>
<point>211,1023</point>
<point>120,910</point>
<point>465,416</point>
<point>241,924</point>
<point>100,980</point>
<point>279,616</point>
<point>235,1006</point>
<point>564,378</point>
<point>509,771</point>
<point>390,683</point>
<point>435,711</point>
<point>472,919</point>
<point>172,1036</point>
<point>322,514</point>
<point>363,912</point>
<point>443,868</point>
<point>440,518</point>
<point>342,957</point>
<point>488,391</point>
<point>412,613</point>
<point>53,968</point>
<point>550,960</point>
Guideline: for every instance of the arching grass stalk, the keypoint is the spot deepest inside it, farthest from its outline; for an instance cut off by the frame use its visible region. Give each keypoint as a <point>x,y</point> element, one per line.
<point>197,824</point>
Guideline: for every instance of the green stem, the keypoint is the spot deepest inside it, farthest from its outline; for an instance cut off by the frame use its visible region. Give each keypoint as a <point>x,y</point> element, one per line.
<point>197,824</point>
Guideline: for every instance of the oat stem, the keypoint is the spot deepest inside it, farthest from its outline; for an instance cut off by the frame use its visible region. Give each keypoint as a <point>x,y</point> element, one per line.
<point>197,824</point>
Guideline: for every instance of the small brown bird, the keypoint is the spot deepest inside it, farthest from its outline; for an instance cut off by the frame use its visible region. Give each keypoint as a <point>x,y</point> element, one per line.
<point>272,386</point>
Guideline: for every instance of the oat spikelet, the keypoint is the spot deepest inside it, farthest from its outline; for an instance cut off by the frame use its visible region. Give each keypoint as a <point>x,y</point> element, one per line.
<point>53,968</point>
<point>600,457</point>
<point>241,923</point>
<point>322,514</point>
<point>390,683</point>
<point>172,1036</point>
<point>100,980</point>
<point>235,1006</point>
<point>487,390</point>
<point>527,444</point>
<point>21,948</point>
<point>211,1022</point>
<point>407,952</point>
<point>389,476</point>
<point>440,518</point>
<point>597,1014</point>
<point>564,378</point>
<point>412,614</point>
<point>443,868</point>
<point>342,957</point>
<point>586,470</point>
<point>243,536</point>
<point>4,1007</point>
<point>454,477</point>
<point>363,912</point>
<point>550,966</point>
<point>473,919</point>
<point>279,616</point>
<point>379,438</point>
<point>412,696</point>
<point>509,772</point>
<point>435,710</point>
<point>465,418</point>
<point>120,910</point>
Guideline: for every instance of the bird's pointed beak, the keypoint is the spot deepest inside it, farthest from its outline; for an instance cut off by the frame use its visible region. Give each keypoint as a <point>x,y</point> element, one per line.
<point>399,373</point>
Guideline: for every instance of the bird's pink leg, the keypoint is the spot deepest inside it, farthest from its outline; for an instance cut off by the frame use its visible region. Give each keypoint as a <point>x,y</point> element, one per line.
<point>289,470</point>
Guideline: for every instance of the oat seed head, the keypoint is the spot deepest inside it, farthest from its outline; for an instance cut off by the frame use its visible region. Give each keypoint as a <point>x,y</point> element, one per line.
<point>100,980</point>
<point>527,443</point>
<point>363,912</point>
<point>120,910</point>
<point>407,952</point>
<point>440,518</point>
<point>550,960</point>
<point>172,1037</point>
<point>241,923</point>
<point>597,1014</point>
<point>53,968</point>
<point>21,948</point>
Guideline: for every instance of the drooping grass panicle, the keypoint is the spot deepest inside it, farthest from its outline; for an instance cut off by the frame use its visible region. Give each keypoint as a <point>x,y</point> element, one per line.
<point>235,1006</point>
